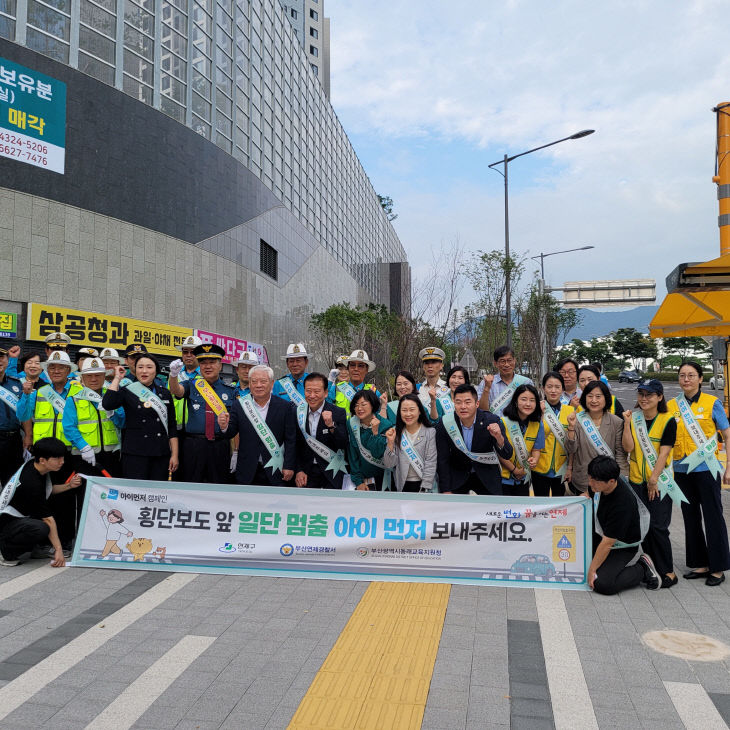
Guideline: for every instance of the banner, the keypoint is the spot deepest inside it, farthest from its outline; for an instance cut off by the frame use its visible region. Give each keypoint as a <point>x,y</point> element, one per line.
<point>233,346</point>
<point>8,324</point>
<point>281,531</point>
<point>103,330</point>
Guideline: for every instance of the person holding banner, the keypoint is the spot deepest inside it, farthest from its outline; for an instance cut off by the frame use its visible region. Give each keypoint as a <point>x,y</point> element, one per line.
<point>367,443</point>
<point>11,441</point>
<point>699,474</point>
<point>206,449</point>
<point>469,442</point>
<point>267,427</point>
<point>553,468</point>
<point>291,386</point>
<point>593,431</point>
<point>648,437</point>
<point>568,368</point>
<point>497,390</point>
<point>149,438</point>
<point>589,373</point>
<point>522,419</point>
<point>321,439</point>
<point>411,447</point>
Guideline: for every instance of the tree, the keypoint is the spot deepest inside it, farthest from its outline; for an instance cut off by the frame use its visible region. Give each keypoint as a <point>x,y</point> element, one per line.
<point>386,203</point>
<point>686,347</point>
<point>630,344</point>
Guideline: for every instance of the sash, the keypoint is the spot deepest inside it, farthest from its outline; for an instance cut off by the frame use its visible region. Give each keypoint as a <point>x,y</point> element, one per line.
<point>553,423</point>
<point>9,491</point>
<point>123,383</point>
<point>644,518</point>
<point>10,400</point>
<point>706,448</point>
<point>276,462</point>
<point>518,441</point>
<point>90,395</point>
<point>57,401</point>
<point>593,434</point>
<point>335,460</point>
<point>505,396</point>
<point>184,375</point>
<point>355,426</point>
<point>453,430</point>
<point>346,389</point>
<point>149,400</point>
<point>393,409</point>
<point>294,395</point>
<point>210,396</point>
<point>409,450</point>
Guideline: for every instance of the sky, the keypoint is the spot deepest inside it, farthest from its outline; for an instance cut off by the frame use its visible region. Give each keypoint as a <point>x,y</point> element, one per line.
<point>430,93</point>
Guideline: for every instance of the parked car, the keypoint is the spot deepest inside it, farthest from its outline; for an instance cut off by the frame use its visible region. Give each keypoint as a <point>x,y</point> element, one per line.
<point>717,382</point>
<point>630,376</point>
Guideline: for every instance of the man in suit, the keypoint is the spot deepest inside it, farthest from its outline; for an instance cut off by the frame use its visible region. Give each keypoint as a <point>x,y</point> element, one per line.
<point>326,422</point>
<point>467,453</point>
<point>262,417</point>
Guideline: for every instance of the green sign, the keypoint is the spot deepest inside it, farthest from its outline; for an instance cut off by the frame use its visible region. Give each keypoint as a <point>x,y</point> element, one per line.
<point>8,324</point>
<point>32,117</point>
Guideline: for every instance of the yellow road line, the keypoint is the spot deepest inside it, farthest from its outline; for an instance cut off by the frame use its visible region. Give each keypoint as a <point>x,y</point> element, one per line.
<point>378,673</point>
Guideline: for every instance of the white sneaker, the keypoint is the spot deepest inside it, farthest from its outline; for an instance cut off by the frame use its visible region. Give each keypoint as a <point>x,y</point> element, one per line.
<point>8,563</point>
<point>652,579</point>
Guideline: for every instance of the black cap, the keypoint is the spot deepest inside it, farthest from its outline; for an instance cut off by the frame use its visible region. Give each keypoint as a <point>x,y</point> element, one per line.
<point>651,386</point>
<point>209,350</point>
<point>135,349</point>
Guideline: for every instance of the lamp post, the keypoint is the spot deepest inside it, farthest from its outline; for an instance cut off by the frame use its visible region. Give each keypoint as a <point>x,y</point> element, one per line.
<point>505,161</point>
<point>542,290</point>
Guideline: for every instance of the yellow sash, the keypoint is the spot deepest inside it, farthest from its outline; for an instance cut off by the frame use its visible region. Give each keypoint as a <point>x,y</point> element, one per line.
<point>210,396</point>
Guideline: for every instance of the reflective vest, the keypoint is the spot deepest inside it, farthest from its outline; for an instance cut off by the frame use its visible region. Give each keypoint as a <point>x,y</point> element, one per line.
<point>530,436</point>
<point>46,422</point>
<point>344,403</point>
<point>181,411</point>
<point>96,427</point>
<point>702,409</point>
<point>639,469</point>
<point>553,455</point>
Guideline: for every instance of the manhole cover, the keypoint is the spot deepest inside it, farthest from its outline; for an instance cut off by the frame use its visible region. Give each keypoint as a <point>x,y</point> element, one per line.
<point>682,644</point>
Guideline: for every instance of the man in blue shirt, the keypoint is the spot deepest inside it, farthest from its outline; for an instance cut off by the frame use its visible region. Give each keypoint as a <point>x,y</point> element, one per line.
<point>291,386</point>
<point>243,363</point>
<point>11,441</point>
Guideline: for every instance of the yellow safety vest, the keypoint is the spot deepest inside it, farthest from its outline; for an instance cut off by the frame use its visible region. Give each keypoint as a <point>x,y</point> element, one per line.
<point>702,409</point>
<point>553,456</point>
<point>95,426</point>
<point>639,469</point>
<point>530,436</point>
<point>46,422</point>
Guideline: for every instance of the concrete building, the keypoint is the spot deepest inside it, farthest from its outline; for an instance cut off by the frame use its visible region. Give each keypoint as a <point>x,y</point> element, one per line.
<point>207,180</point>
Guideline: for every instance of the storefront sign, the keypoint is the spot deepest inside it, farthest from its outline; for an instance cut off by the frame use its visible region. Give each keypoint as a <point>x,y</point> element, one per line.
<point>32,117</point>
<point>8,324</point>
<point>233,346</point>
<point>280,531</point>
<point>103,330</point>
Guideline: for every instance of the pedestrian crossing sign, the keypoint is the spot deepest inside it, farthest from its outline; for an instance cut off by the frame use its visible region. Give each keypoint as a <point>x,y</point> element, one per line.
<point>564,543</point>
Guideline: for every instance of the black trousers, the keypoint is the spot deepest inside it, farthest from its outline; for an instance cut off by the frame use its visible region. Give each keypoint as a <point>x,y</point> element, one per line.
<point>614,576</point>
<point>66,506</point>
<point>316,478</point>
<point>656,543</point>
<point>19,535</point>
<point>414,486</point>
<point>206,461</point>
<point>11,454</point>
<point>543,485</point>
<point>708,547</point>
<point>472,484</point>
<point>154,468</point>
<point>519,489</point>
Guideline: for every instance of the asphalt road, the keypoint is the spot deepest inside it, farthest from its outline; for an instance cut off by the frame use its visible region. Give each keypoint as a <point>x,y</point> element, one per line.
<point>626,392</point>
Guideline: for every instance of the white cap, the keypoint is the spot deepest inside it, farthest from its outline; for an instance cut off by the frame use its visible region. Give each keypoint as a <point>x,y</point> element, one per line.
<point>247,357</point>
<point>92,365</point>
<point>109,353</point>
<point>296,349</point>
<point>92,351</point>
<point>189,343</point>
<point>59,357</point>
<point>57,339</point>
<point>432,353</point>
<point>341,360</point>
<point>361,356</point>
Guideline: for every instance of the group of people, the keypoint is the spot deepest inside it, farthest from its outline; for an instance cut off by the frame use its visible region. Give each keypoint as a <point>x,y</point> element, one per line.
<point>114,415</point>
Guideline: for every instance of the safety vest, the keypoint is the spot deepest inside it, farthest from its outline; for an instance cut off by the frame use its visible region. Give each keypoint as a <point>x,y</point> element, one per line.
<point>341,398</point>
<point>96,427</point>
<point>530,436</point>
<point>46,422</point>
<point>702,409</point>
<point>181,412</point>
<point>553,456</point>
<point>639,469</point>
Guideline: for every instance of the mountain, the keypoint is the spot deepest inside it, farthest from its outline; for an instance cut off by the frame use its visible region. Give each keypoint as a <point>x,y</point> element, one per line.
<point>599,323</point>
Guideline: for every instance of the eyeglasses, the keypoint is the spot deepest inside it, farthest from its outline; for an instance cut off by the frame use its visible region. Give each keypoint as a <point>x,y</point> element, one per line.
<point>571,371</point>
<point>688,376</point>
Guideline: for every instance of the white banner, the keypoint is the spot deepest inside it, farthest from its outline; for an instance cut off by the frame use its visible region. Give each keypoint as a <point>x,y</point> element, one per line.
<point>280,531</point>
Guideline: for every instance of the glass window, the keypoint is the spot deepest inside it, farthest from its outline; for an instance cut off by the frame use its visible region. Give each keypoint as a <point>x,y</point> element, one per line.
<point>294,13</point>
<point>136,90</point>
<point>7,28</point>
<point>96,68</point>
<point>96,44</point>
<point>63,5</point>
<point>172,109</point>
<point>268,260</point>
<point>222,124</point>
<point>313,14</point>
<point>223,143</point>
<point>201,127</point>
<point>201,85</point>
<point>174,65</point>
<point>139,42</point>
<point>43,17</point>
<point>175,19</point>
<point>139,18</point>
<point>315,68</point>
<point>8,7</point>
<point>97,18</point>
<point>174,41</point>
<point>173,88</point>
<point>314,51</point>
<point>47,45</point>
<point>201,107</point>
<point>138,67</point>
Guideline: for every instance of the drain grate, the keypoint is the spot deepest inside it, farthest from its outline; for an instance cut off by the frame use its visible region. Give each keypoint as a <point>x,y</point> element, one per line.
<point>684,645</point>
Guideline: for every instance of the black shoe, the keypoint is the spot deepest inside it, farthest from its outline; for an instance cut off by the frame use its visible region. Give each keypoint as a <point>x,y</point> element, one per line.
<point>652,580</point>
<point>694,574</point>
<point>668,582</point>
<point>714,580</point>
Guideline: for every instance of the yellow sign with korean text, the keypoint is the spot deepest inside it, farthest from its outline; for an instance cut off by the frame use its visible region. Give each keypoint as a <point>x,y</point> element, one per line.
<point>564,543</point>
<point>103,330</point>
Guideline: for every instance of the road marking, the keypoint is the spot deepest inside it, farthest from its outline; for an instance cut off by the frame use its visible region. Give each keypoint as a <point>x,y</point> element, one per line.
<point>20,690</point>
<point>28,580</point>
<point>694,706</point>
<point>379,671</point>
<point>131,704</point>
<point>572,706</point>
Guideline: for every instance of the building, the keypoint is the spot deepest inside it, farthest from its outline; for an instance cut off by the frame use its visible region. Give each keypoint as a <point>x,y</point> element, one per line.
<point>203,179</point>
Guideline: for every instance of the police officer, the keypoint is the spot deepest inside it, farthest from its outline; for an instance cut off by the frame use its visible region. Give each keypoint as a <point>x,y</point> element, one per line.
<point>358,366</point>
<point>11,441</point>
<point>112,360</point>
<point>338,374</point>
<point>85,353</point>
<point>243,363</point>
<point>190,370</point>
<point>133,351</point>
<point>205,452</point>
<point>54,341</point>
<point>291,386</point>
<point>433,362</point>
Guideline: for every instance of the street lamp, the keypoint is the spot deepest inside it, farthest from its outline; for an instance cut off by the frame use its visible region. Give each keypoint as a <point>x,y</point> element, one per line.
<point>543,335</point>
<point>505,161</point>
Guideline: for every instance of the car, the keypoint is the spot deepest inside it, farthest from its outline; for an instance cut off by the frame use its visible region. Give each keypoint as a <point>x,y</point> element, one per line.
<point>717,382</point>
<point>630,376</point>
<point>535,565</point>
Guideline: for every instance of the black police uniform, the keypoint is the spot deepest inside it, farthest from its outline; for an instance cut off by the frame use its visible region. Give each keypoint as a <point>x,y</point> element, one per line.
<point>11,440</point>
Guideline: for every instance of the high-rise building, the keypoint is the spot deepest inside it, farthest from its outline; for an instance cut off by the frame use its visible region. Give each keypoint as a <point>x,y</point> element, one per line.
<point>207,182</point>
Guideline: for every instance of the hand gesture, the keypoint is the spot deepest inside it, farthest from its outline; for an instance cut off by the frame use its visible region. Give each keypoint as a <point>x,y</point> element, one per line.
<point>176,367</point>
<point>374,424</point>
<point>627,415</point>
<point>301,478</point>
<point>287,474</point>
<point>27,387</point>
<point>543,405</point>
<point>363,487</point>
<point>494,429</point>
<point>532,462</point>
<point>652,488</point>
<point>74,482</point>
<point>327,418</point>
<point>575,401</point>
<point>390,438</point>
<point>518,472</point>
<point>223,420</point>
<point>14,351</point>
<point>383,399</point>
<point>432,394</point>
<point>58,560</point>
<point>119,372</point>
<point>488,380</point>
<point>572,418</point>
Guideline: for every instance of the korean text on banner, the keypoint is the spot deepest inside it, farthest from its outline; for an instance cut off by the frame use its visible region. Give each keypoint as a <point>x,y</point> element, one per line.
<point>103,330</point>
<point>8,324</point>
<point>281,531</point>
<point>32,117</point>
<point>233,346</point>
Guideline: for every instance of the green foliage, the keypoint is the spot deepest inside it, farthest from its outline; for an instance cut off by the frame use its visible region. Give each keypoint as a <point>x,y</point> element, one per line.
<point>629,344</point>
<point>686,347</point>
<point>386,203</point>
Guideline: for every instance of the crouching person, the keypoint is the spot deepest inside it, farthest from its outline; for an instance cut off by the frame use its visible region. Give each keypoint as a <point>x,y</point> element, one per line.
<point>622,521</point>
<point>25,517</point>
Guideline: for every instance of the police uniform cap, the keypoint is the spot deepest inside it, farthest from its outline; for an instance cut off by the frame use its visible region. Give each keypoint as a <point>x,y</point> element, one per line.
<point>135,348</point>
<point>361,356</point>
<point>92,365</point>
<point>296,349</point>
<point>189,343</point>
<point>57,339</point>
<point>209,350</point>
<point>432,353</point>
<point>59,357</point>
